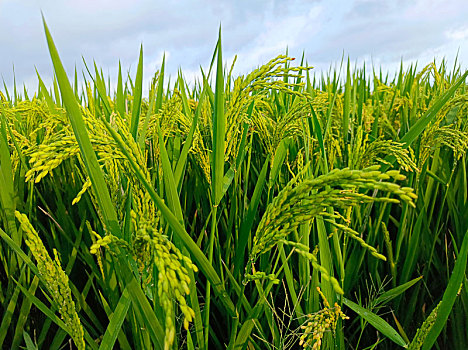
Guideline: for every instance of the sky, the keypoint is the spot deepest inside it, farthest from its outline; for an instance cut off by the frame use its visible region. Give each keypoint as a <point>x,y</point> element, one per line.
<point>382,33</point>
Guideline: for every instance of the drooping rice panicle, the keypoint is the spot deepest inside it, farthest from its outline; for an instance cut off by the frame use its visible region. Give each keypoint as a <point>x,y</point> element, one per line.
<point>56,280</point>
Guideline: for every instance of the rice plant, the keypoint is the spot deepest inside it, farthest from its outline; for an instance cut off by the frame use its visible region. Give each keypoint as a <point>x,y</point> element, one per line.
<point>272,210</point>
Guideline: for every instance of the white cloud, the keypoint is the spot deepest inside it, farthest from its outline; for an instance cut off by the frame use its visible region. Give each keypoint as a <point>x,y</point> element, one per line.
<point>383,31</point>
<point>278,34</point>
<point>458,34</point>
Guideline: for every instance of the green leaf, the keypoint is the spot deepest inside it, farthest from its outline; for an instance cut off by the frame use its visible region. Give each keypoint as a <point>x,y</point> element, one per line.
<point>183,94</point>
<point>393,293</point>
<point>430,115</point>
<point>248,221</point>
<point>219,126</point>
<point>450,294</point>
<point>142,136</point>
<point>144,311</point>
<point>7,193</point>
<point>116,321</point>
<point>82,137</point>
<point>278,160</point>
<point>377,322</point>
<point>45,93</point>
<point>17,249</point>
<point>169,183</point>
<point>347,104</point>
<point>155,100</point>
<point>188,141</point>
<point>120,101</point>
<point>7,315</point>
<point>137,93</point>
<point>28,341</point>
<point>229,176</point>
<point>51,315</point>
<point>24,314</point>
<point>101,88</point>
<point>160,89</point>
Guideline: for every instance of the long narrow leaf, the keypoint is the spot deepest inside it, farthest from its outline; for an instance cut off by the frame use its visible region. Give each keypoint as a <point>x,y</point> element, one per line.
<point>116,321</point>
<point>376,321</point>
<point>219,126</point>
<point>450,294</point>
<point>81,134</point>
<point>137,93</point>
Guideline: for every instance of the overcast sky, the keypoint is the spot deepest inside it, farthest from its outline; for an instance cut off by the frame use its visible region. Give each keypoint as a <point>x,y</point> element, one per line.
<point>375,31</point>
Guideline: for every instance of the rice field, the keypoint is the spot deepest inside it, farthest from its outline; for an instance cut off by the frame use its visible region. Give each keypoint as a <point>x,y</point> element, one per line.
<point>281,209</point>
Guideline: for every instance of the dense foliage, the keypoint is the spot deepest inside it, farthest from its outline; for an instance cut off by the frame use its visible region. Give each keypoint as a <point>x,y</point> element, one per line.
<point>273,210</point>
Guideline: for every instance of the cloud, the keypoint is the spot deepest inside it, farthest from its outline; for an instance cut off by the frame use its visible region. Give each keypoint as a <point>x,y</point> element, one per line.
<point>460,34</point>
<point>256,30</point>
<point>387,32</point>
